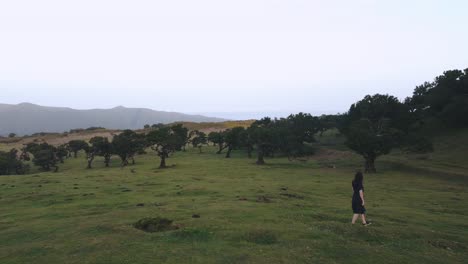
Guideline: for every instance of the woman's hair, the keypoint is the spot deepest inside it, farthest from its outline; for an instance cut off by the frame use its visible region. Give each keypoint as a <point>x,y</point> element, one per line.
<point>358,178</point>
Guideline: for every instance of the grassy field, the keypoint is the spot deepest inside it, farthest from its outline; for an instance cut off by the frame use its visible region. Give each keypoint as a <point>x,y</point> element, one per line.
<point>284,212</point>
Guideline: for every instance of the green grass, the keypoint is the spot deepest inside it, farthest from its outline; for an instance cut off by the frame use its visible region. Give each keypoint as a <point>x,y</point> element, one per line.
<point>87,216</point>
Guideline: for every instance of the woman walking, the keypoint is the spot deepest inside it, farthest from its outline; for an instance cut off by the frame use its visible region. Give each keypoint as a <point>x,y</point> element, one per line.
<point>358,199</point>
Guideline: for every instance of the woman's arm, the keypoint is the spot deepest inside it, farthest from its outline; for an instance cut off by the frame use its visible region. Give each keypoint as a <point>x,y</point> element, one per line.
<point>361,193</point>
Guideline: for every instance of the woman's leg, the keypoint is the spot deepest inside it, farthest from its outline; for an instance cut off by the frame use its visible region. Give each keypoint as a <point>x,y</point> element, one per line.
<point>355,217</point>
<point>363,217</point>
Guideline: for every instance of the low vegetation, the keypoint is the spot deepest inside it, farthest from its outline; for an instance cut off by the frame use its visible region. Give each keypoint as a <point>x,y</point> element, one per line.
<point>290,212</point>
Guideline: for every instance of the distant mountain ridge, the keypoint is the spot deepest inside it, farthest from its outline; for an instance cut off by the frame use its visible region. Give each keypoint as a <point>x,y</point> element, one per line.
<point>27,118</point>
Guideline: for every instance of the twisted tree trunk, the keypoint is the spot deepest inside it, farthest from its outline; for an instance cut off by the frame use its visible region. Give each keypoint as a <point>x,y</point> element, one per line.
<point>107,158</point>
<point>260,160</point>
<point>90,159</point>
<point>162,165</point>
<point>228,153</point>
<point>370,164</point>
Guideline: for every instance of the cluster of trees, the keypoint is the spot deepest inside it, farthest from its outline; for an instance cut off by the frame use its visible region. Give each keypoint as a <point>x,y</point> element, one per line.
<point>373,127</point>
<point>164,140</point>
<point>377,124</point>
<point>78,130</point>
<point>44,155</point>
<point>153,126</point>
<point>10,163</point>
<point>289,136</point>
<point>444,99</point>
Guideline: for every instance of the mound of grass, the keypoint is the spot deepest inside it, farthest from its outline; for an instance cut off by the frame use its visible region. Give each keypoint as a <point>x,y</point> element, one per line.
<point>157,224</point>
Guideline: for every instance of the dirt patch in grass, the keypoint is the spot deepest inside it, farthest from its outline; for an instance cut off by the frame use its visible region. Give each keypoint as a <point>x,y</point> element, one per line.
<point>157,224</point>
<point>241,198</point>
<point>263,199</point>
<point>329,158</point>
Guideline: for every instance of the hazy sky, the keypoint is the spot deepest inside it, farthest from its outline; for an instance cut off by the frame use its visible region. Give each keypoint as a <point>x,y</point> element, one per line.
<point>212,56</point>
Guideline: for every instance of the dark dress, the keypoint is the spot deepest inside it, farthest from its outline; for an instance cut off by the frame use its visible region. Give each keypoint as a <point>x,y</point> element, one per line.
<point>358,208</point>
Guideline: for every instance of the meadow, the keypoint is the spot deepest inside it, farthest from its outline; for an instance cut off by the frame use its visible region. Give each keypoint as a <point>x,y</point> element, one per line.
<point>233,211</point>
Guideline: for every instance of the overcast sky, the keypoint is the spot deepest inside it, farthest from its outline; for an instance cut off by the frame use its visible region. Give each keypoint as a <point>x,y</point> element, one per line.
<point>214,56</point>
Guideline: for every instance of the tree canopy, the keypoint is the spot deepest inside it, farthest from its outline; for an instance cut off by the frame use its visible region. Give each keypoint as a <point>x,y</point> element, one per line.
<point>199,139</point>
<point>77,145</point>
<point>10,163</point>
<point>127,144</point>
<point>375,125</point>
<point>45,155</point>
<point>445,99</point>
<point>233,139</point>
<point>217,138</point>
<point>166,140</point>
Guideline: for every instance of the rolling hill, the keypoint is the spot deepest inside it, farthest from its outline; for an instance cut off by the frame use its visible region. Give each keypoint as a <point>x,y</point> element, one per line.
<point>27,118</point>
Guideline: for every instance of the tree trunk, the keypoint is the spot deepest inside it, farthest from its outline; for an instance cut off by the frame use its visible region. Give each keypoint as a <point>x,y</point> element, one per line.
<point>220,148</point>
<point>370,165</point>
<point>107,160</point>
<point>260,160</point>
<point>228,153</point>
<point>199,148</point>
<point>75,154</point>
<point>162,165</point>
<point>90,160</point>
<point>124,161</point>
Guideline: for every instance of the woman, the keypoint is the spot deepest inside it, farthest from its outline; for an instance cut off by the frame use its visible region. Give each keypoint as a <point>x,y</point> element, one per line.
<point>358,199</point>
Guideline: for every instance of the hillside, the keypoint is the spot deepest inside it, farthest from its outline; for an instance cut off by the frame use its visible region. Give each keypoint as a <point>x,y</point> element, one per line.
<point>231,211</point>
<point>26,118</point>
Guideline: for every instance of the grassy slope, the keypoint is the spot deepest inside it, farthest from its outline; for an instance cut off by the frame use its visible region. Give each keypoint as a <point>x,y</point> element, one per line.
<point>450,155</point>
<point>86,216</point>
